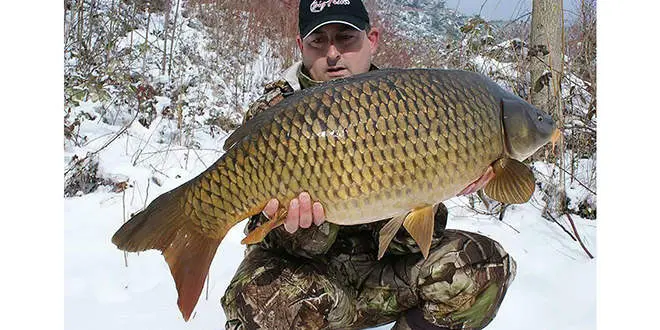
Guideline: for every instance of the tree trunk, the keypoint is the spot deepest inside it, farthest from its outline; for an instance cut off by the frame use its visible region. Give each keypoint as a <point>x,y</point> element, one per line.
<point>176,15</point>
<point>547,63</point>
<point>146,40</point>
<point>111,34</point>
<point>168,8</point>
<point>80,23</point>
<point>130,54</point>
<point>90,22</point>
<point>67,29</point>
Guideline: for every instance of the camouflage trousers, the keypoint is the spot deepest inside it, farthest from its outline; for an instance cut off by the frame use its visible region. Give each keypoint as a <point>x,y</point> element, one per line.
<point>460,286</point>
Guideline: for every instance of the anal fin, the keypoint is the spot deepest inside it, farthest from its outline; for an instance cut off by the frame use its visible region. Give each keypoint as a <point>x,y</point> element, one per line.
<point>258,234</point>
<point>513,183</point>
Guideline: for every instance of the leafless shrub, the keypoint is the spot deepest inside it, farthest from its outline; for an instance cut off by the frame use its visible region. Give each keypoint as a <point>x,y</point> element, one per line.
<point>82,177</point>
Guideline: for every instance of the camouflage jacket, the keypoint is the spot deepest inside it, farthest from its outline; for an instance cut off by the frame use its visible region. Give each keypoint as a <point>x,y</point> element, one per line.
<point>315,240</point>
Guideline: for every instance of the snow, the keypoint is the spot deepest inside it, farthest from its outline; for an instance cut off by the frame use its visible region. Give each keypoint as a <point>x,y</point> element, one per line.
<point>100,291</point>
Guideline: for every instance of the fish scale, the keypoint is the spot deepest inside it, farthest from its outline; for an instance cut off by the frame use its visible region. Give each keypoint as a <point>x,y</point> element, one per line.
<point>384,144</point>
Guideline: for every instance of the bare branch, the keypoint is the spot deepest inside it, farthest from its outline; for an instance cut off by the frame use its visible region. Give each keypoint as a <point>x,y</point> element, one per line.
<point>560,225</point>
<point>578,236</point>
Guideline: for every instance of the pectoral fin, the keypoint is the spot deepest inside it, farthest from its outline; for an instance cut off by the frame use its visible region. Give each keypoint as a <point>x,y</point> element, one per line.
<point>419,224</point>
<point>258,234</point>
<point>387,233</point>
<point>513,183</point>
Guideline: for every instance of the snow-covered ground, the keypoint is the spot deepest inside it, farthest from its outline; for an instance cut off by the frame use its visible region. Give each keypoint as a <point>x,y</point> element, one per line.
<point>555,285</point>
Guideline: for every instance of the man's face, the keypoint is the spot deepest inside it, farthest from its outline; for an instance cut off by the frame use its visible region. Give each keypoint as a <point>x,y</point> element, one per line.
<point>337,50</point>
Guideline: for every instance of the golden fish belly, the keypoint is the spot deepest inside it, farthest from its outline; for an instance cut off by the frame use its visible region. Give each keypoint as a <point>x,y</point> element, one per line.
<point>366,149</point>
<point>438,181</point>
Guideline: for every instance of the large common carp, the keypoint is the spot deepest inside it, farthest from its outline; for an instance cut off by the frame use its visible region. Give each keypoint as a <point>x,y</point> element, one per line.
<point>385,144</point>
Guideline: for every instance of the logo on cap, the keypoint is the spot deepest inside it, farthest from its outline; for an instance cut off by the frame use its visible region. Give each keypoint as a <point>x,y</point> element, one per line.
<point>317,6</point>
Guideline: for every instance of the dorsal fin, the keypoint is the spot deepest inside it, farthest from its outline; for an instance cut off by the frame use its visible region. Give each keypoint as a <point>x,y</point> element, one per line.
<point>253,124</point>
<point>260,119</point>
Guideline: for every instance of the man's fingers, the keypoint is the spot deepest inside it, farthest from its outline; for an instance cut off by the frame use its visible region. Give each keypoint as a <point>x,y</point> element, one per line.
<point>271,208</point>
<point>292,217</point>
<point>305,210</point>
<point>301,212</point>
<point>319,213</point>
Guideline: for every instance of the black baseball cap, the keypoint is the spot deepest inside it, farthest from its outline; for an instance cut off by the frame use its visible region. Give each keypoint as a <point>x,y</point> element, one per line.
<point>313,14</point>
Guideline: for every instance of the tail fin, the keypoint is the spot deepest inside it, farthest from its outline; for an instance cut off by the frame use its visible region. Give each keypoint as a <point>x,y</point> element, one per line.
<point>164,226</point>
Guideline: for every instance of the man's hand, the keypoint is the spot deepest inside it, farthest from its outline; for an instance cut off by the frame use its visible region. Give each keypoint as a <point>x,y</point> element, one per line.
<point>301,212</point>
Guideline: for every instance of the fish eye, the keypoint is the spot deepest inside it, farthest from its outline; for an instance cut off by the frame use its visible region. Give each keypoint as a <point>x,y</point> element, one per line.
<point>540,118</point>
